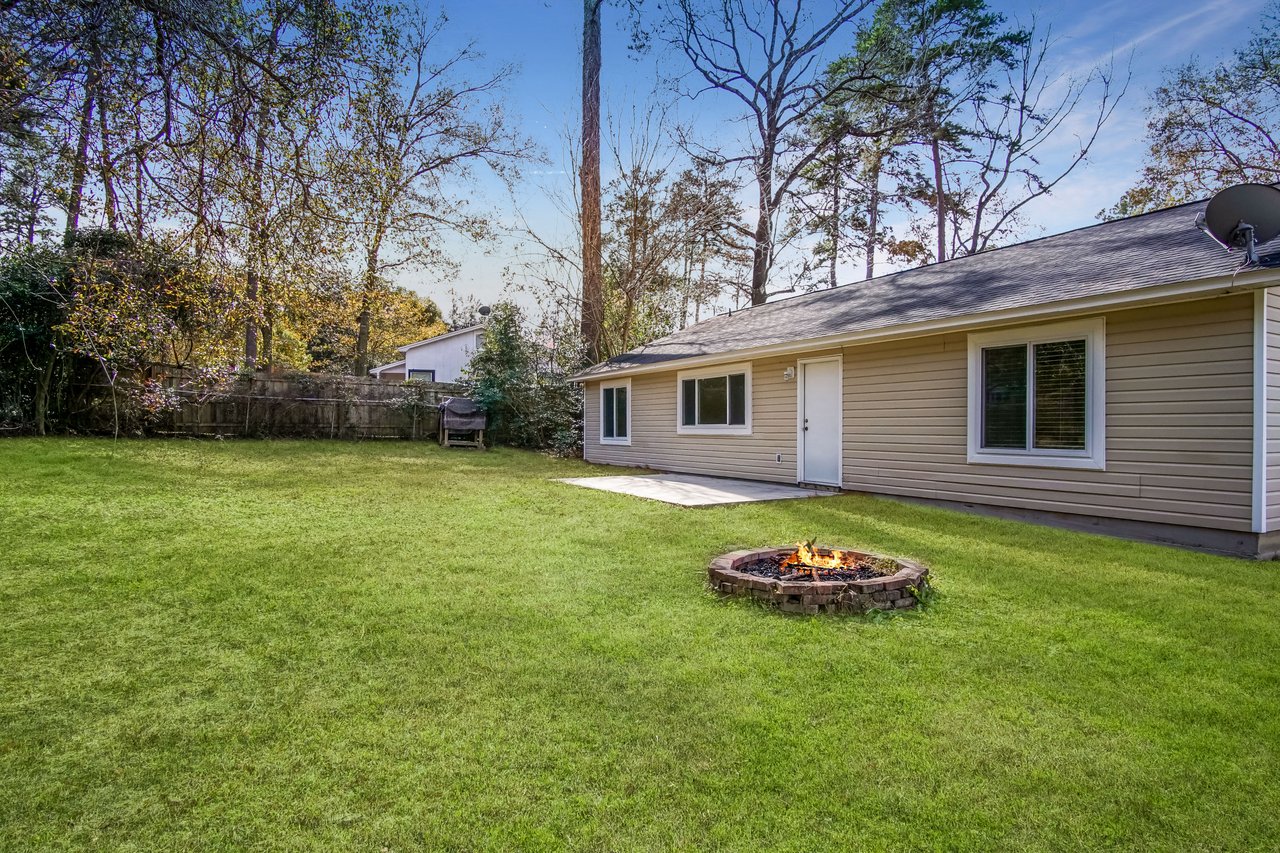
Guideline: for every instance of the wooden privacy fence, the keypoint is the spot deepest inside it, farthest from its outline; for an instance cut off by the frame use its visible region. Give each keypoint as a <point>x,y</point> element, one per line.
<point>301,406</point>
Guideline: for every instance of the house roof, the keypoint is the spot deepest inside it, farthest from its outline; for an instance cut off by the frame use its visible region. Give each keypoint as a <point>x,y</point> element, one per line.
<point>1131,256</point>
<point>384,367</point>
<point>446,335</point>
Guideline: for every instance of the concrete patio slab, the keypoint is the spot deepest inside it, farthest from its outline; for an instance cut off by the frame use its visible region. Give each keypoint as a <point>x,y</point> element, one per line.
<point>693,490</point>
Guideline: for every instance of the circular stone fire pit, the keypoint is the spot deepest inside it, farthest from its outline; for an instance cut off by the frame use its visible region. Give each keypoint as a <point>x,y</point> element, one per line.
<point>868,582</point>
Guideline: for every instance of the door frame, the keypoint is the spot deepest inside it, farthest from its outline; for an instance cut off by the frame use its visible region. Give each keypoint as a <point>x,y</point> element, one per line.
<point>800,447</point>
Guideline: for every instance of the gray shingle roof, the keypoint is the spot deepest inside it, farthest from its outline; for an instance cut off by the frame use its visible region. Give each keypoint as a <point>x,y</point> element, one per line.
<point>1163,247</point>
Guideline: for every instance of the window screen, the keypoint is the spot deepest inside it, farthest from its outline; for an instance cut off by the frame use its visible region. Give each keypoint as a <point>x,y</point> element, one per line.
<point>714,401</point>
<point>1060,395</point>
<point>1036,392</point>
<point>607,412</point>
<point>1004,397</point>
<point>613,412</point>
<point>738,399</point>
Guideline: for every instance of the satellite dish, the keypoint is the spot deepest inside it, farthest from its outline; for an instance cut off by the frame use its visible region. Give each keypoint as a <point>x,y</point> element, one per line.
<point>485,309</point>
<point>1242,217</point>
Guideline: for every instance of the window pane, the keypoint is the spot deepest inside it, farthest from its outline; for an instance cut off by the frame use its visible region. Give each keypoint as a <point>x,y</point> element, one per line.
<point>620,422</point>
<point>689,402</point>
<point>1060,395</point>
<point>1004,397</point>
<point>713,405</point>
<point>738,399</point>
<point>607,412</point>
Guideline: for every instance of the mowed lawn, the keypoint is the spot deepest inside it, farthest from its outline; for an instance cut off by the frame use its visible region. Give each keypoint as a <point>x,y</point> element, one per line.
<point>312,645</point>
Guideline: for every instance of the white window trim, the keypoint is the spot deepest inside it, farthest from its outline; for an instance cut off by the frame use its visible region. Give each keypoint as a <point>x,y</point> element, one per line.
<point>713,429</point>
<point>1093,457</point>
<point>617,383</point>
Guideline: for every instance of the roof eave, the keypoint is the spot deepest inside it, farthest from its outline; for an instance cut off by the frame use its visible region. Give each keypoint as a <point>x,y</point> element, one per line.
<point>1239,282</point>
<point>382,367</point>
<point>441,337</point>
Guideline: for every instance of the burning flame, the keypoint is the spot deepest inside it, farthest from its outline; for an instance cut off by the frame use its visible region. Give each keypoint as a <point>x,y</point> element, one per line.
<point>808,559</point>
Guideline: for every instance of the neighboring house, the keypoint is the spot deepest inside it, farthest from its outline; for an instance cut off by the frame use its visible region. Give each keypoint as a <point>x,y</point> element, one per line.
<point>438,359</point>
<point>1124,377</point>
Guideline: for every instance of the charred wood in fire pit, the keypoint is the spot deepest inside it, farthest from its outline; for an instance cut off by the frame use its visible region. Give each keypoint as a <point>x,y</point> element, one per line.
<point>774,568</point>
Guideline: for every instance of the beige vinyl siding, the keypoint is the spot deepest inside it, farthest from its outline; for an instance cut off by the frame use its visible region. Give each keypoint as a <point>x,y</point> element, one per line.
<point>1179,411</point>
<point>1273,408</point>
<point>1178,434</point>
<point>655,443</point>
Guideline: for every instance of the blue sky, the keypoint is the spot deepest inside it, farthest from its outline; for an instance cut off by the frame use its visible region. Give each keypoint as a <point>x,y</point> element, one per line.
<point>541,38</point>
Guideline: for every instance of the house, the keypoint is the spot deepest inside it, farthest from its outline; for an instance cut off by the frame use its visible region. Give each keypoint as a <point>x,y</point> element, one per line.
<point>438,359</point>
<point>1123,377</point>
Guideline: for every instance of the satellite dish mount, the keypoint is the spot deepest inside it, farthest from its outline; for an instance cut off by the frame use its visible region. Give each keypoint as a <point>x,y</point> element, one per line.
<point>1242,217</point>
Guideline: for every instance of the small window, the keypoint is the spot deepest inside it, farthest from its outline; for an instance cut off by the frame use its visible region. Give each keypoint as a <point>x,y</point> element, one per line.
<point>615,413</point>
<point>715,402</point>
<point>423,375</point>
<point>1036,396</point>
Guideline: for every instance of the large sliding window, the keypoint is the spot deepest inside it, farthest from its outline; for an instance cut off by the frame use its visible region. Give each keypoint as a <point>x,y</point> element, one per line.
<point>615,412</point>
<point>1036,397</point>
<point>715,400</point>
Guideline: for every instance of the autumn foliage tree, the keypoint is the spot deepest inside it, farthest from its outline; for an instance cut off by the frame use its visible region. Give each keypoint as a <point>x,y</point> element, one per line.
<point>1209,128</point>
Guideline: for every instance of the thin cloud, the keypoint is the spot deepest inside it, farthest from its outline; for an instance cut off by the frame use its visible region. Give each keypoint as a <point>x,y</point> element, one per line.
<point>1210,16</point>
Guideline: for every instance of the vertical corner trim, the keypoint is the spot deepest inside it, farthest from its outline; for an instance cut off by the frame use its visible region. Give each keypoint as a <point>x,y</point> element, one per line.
<point>1260,410</point>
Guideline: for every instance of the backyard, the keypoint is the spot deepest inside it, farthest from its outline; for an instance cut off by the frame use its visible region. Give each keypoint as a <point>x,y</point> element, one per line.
<point>388,646</point>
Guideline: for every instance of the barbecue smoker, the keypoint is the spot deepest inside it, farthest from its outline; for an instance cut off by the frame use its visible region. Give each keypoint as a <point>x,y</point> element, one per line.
<point>462,423</point>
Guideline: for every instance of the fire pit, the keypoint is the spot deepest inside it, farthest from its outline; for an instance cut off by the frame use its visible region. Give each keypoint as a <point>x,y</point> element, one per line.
<point>807,579</point>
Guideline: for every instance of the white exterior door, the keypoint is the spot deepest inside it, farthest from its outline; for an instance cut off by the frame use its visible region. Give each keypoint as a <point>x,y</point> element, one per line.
<point>819,422</point>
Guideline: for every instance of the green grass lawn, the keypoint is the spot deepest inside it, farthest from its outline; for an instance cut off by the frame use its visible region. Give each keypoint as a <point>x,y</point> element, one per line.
<point>289,645</point>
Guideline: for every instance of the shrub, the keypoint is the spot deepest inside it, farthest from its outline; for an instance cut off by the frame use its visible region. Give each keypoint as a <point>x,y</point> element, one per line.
<point>524,387</point>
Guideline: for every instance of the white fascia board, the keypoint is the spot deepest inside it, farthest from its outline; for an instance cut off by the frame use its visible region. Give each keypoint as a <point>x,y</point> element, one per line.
<point>380,368</point>
<point>445,336</point>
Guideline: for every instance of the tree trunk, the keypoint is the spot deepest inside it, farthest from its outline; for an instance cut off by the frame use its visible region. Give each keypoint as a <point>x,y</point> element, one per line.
<point>361,365</point>
<point>589,182</point>
<point>109,203</point>
<point>138,156</point>
<point>42,392</point>
<point>873,215</point>
<point>762,253</point>
<point>80,162</point>
<point>268,339</point>
<point>251,322</point>
<point>835,213</point>
<point>940,199</point>
<point>33,212</point>
<point>257,232</point>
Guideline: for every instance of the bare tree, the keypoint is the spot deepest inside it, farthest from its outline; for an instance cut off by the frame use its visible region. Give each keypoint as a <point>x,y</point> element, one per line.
<point>767,54</point>
<point>1004,166</point>
<point>416,128</point>
<point>671,239</point>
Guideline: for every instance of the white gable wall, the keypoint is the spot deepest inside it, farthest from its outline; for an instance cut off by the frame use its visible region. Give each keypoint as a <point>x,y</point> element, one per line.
<point>446,355</point>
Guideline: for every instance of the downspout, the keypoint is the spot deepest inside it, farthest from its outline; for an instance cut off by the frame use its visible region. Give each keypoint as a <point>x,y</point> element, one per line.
<point>1260,411</point>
